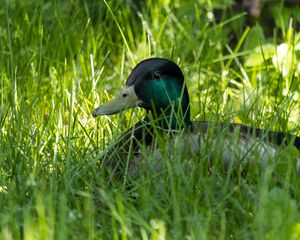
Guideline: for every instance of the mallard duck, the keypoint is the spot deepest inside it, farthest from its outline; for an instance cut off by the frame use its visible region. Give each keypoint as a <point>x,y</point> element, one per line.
<point>158,85</point>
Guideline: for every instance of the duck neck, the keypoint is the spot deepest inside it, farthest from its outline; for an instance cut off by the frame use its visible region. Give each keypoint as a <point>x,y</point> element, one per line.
<point>172,118</point>
<point>166,102</point>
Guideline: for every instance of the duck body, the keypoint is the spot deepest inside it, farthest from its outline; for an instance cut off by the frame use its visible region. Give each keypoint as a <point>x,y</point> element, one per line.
<point>157,85</point>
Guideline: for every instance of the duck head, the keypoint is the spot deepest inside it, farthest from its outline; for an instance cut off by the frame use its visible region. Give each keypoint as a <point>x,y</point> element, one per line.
<point>157,85</point>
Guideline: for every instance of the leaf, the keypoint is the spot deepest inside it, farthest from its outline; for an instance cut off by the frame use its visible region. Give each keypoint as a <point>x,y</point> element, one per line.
<point>260,54</point>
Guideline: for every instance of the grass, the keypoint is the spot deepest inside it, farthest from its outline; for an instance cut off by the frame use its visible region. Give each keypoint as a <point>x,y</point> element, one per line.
<point>59,60</point>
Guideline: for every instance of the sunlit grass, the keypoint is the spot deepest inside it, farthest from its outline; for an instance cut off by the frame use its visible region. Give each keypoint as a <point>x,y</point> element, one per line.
<point>59,60</point>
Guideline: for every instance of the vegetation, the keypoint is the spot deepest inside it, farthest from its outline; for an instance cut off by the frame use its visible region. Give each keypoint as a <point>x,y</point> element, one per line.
<point>60,59</point>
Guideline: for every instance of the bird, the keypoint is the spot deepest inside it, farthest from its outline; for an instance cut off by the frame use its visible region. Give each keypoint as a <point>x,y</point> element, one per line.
<point>158,86</point>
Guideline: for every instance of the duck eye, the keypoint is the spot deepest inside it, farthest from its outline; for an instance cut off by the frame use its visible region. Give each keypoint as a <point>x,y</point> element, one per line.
<point>124,95</point>
<point>156,75</point>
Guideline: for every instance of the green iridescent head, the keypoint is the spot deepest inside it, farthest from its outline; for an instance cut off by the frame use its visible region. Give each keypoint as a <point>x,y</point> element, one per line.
<point>157,85</point>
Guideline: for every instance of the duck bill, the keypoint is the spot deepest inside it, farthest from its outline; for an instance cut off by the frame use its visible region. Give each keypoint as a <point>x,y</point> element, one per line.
<point>125,99</point>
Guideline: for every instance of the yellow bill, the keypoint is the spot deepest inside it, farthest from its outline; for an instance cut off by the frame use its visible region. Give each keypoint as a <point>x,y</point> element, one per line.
<point>125,99</point>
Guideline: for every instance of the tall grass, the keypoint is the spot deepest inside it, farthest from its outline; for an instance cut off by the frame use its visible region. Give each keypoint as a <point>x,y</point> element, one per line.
<point>58,60</point>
